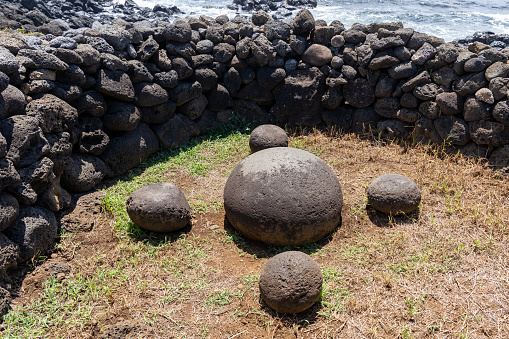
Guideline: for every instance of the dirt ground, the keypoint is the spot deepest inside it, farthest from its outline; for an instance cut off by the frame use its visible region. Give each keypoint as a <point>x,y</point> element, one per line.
<point>441,272</point>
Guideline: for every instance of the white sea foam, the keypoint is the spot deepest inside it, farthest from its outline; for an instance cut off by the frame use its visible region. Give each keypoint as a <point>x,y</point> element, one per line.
<point>448,19</point>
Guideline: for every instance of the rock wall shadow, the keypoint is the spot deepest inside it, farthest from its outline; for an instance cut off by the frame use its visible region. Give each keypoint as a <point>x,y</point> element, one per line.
<point>163,155</point>
<point>262,250</point>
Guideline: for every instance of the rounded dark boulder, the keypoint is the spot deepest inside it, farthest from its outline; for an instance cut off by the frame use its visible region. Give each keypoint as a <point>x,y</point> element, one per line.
<point>9,208</point>
<point>393,194</point>
<point>290,282</point>
<point>34,231</point>
<point>159,208</point>
<point>283,196</point>
<point>267,136</point>
<point>84,172</point>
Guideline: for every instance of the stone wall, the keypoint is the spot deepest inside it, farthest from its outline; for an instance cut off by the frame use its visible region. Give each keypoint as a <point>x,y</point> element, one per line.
<point>95,102</point>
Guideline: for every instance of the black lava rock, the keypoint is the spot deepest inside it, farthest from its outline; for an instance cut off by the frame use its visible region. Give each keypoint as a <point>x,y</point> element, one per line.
<point>290,282</point>
<point>393,194</point>
<point>267,136</point>
<point>159,208</point>
<point>283,196</point>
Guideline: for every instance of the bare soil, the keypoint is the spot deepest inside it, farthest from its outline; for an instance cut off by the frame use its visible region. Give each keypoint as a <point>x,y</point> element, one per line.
<point>441,272</point>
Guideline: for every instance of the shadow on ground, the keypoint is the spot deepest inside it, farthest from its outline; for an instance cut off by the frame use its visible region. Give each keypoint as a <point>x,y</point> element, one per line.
<point>262,250</point>
<point>387,221</point>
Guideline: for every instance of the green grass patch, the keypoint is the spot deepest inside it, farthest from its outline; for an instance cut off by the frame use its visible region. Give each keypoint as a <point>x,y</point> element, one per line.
<point>221,150</point>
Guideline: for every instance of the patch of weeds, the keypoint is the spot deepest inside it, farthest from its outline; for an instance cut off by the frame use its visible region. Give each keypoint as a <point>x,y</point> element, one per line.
<point>436,254</point>
<point>360,208</point>
<point>248,281</point>
<point>406,333</point>
<point>414,306</point>
<point>297,142</point>
<point>198,168</point>
<point>355,252</point>
<point>64,306</point>
<point>187,255</point>
<point>219,299</point>
<point>220,150</point>
<point>450,193</point>
<point>216,205</point>
<point>333,296</point>
<point>199,207</point>
<point>233,238</point>
<point>432,329</point>
<point>184,288</point>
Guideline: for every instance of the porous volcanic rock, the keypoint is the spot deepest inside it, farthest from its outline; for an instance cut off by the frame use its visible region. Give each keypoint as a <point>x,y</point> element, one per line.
<point>9,208</point>
<point>84,172</point>
<point>290,282</point>
<point>394,193</point>
<point>9,255</point>
<point>34,231</point>
<point>159,207</point>
<point>141,143</point>
<point>5,301</point>
<point>283,196</point>
<point>267,136</point>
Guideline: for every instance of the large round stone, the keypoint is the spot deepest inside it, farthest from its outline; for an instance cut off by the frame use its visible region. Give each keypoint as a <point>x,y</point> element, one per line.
<point>283,196</point>
<point>393,194</point>
<point>159,208</point>
<point>267,136</point>
<point>290,282</point>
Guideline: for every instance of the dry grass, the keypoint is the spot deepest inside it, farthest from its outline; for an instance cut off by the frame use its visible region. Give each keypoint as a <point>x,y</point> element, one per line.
<point>441,272</point>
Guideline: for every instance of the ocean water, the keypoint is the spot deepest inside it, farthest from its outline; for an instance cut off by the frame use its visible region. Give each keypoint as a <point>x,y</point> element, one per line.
<point>448,19</point>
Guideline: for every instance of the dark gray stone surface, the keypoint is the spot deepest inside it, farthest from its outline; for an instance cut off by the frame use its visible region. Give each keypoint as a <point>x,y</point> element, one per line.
<point>9,255</point>
<point>115,84</point>
<point>159,208</point>
<point>121,116</point>
<point>501,112</point>
<point>5,301</point>
<point>298,97</point>
<point>267,136</point>
<point>393,194</point>
<point>290,282</point>
<point>54,114</point>
<point>25,139</point>
<point>158,114</point>
<point>359,93</point>
<point>141,143</point>
<point>452,129</point>
<point>84,172</point>
<point>283,196</point>
<point>91,137</point>
<point>176,132</point>
<point>12,102</point>
<point>450,103</point>
<point>34,231</point>
<point>9,208</point>
<point>491,133</point>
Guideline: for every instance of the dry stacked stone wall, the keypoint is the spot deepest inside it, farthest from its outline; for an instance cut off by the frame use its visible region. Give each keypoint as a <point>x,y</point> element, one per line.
<point>93,103</point>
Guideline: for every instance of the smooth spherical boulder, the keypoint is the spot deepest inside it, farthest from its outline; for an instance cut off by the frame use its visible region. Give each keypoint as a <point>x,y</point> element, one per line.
<point>283,196</point>
<point>393,194</point>
<point>267,136</point>
<point>317,55</point>
<point>290,282</point>
<point>159,208</point>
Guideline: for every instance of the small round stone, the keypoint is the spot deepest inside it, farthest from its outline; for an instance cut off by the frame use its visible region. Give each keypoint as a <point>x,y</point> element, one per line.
<point>267,136</point>
<point>290,282</point>
<point>393,194</point>
<point>283,196</point>
<point>159,208</point>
